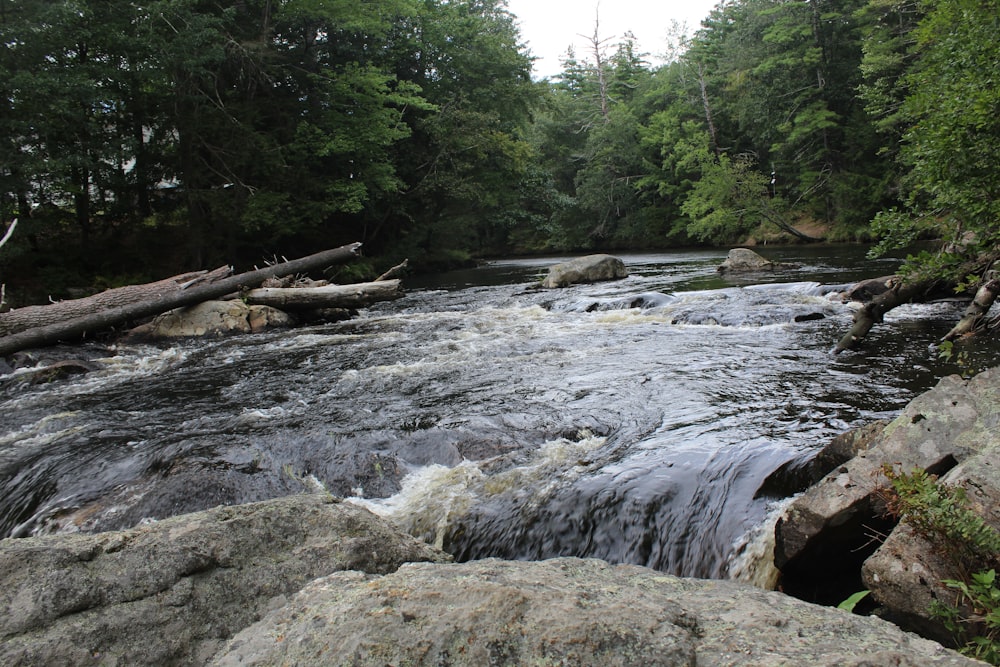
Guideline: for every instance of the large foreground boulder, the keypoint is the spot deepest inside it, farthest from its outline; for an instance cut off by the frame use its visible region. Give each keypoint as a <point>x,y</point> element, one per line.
<point>170,592</point>
<point>587,269</point>
<point>562,612</point>
<point>835,531</point>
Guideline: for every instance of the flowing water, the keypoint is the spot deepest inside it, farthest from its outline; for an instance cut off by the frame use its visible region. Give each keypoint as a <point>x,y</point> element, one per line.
<point>634,420</point>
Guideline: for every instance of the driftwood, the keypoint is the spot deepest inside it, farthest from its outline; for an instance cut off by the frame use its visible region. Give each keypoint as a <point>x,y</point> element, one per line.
<point>29,317</point>
<point>6,237</point>
<point>194,293</point>
<point>329,296</point>
<point>395,271</point>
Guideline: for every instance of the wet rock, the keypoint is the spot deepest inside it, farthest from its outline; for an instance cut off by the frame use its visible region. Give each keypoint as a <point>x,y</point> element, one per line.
<point>587,269</point>
<point>866,290</point>
<point>171,592</point>
<point>212,318</point>
<point>833,528</point>
<point>53,372</point>
<point>744,260</point>
<point>905,575</point>
<point>565,611</point>
<point>799,474</point>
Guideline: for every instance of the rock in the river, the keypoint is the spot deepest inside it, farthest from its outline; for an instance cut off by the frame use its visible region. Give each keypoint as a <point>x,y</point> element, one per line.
<point>831,530</point>
<point>744,260</point>
<point>588,269</point>
<point>170,592</point>
<point>213,318</point>
<point>565,611</point>
<point>905,574</point>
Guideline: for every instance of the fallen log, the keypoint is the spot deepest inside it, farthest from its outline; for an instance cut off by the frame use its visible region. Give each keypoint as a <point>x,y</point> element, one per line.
<point>357,295</point>
<point>22,319</point>
<point>107,319</point>
<point>974,317</point>
<point>898,293</point>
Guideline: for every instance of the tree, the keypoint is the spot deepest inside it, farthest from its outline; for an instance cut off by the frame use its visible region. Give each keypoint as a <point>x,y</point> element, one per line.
<point>951,115</point>
<point>465,158</point>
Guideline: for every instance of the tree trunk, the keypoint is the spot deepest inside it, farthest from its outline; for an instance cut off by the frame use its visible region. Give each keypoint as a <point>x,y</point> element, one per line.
<point>22,319</point>
<point>899,292</point>
<point>106,319</point>
<point>328,296</point>
<point>975,314</point>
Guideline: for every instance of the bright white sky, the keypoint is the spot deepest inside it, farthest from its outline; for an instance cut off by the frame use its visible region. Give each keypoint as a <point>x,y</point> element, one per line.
<point>551,26</point>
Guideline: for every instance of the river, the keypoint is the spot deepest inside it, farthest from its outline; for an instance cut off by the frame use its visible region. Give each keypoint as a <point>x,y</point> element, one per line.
<point>634,420</point>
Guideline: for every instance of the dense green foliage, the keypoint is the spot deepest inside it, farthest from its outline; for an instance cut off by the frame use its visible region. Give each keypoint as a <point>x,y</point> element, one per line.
<point>143,138</point>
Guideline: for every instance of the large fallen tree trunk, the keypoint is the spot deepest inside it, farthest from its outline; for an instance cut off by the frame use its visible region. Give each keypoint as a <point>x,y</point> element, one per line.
<point>327,296</point>
<point>898,293</point>
<point>29,317</point>
<point>106,319</point>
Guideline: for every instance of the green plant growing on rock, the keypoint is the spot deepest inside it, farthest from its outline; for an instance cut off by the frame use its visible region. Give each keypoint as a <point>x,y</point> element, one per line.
<point>941,514</point>
<point>982,596</point>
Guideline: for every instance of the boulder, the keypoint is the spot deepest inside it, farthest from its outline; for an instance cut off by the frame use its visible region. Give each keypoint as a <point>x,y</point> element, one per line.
<point>799,474</point>
<point>905,574</point>
<point>564,611</point>
<point>744,260</point>
<point>827,534</point>
<point>588,269</point>
<point>170,592</point>
<point>213,318</point>
<point>866,290</point>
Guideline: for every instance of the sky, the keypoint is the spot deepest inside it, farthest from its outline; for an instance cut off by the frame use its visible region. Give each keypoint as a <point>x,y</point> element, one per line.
<point>550,26</point>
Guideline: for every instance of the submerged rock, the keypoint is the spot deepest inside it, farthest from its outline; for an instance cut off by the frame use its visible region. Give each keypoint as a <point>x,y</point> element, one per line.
<point>171,591</point>
<point>565,611</point>
<point>744,260</point>
<point>587,269</point>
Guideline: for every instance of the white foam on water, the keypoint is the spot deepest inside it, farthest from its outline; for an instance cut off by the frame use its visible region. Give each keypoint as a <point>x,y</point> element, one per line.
<point>433,497</point>
<point>752,559</point>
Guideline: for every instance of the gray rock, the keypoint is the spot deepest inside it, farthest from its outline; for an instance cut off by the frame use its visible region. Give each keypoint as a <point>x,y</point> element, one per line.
<point>213,318</point>
<point>171,592</point>
<point>906,573</point>
<point>562,612</point>
<point>866,290</point>
<point>744,260</point>
<point>799,474</point>
<point>827,534</point>
<point>587,269</point>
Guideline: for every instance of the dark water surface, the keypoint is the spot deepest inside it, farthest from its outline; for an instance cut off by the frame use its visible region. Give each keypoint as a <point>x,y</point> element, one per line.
<point>633,421</point>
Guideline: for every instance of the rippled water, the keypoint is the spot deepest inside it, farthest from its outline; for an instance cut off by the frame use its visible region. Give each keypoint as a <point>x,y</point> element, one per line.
<point>633,421</point>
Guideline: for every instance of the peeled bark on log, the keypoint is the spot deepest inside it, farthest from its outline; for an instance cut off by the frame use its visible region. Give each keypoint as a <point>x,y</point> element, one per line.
<point>22,319</point>
<point>975,314</point>
<point>329,296</point>
<point>899,292</point>
<point>110,318</point>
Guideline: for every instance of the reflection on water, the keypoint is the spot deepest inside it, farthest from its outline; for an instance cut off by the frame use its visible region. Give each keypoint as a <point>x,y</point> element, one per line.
<point>633,421</point>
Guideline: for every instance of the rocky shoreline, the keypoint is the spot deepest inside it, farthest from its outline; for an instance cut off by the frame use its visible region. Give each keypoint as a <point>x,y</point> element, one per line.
<point>309,579</point>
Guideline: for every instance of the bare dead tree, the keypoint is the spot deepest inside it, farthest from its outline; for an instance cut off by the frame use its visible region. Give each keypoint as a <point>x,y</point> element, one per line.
<point>598,47</point>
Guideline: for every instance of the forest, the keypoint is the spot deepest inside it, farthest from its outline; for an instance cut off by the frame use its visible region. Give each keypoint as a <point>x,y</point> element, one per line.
<point>141,139</point>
